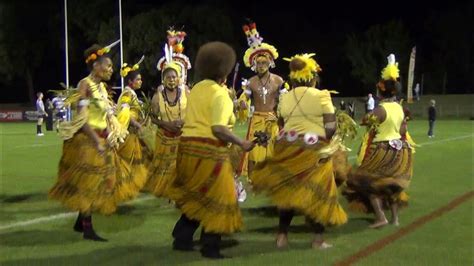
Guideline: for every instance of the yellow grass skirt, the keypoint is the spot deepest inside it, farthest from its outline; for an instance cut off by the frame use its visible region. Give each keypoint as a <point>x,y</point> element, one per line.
<point>297,178</point>
<point>385,172</point>
<point>86,179</point>
<point>163,167</point>
<point>342,167</point>
<point>131,168</point>
<point>260,121</point>
<point>204,187</point>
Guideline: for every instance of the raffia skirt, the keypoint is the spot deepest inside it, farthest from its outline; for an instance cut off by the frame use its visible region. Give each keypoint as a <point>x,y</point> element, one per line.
<point>204,187</point>
<point>132,171</point>
<point>385,172</point>
<point>163,166</point>
<point>86,179</point>
<point>296,177</point>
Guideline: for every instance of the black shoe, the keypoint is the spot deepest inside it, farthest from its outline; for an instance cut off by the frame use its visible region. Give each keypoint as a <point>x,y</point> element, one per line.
<point>183,246</point>
<point>91,235</point>
<point>78,225</point>
<point>214,255</point>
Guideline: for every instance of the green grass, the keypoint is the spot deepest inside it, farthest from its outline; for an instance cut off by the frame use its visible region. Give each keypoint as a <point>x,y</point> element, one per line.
<point>139,234</point>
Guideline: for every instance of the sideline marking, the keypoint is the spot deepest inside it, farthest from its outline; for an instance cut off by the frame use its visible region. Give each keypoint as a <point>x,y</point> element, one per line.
<point>381,243</point>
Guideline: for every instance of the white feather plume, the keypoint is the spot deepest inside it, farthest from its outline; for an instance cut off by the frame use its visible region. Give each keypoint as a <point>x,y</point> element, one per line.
<point>391,59</point>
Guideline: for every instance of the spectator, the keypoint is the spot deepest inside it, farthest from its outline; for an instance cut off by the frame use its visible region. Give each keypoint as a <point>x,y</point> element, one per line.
<point>431,118</point>
<point>417,91</point>
<point>370,103</point>
<point>41,113</point>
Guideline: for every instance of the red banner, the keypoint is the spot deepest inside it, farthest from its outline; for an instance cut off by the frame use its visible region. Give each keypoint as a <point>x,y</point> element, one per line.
<point>12,115</point>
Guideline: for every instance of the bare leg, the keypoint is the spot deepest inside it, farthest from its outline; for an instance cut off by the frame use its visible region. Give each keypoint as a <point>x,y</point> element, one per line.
<point>394,209</point>
<point>381,220</point>
<point>318,241</point>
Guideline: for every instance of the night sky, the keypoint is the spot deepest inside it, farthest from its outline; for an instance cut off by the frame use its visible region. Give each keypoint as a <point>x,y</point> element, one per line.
<point>292,27</point>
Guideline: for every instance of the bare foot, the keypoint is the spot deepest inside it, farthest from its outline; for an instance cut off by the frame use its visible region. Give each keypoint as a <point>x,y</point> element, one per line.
<point>320,245</point>
<point>378,224</point>
<point>395,222</point>
<point>282,240</point>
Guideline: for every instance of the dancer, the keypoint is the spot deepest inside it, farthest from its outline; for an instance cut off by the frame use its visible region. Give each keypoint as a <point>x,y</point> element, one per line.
<point>263,89</point>
<point>168,107</point>
<point>386,167</point>
<point>131,168</point>
<point>204,188</point>
<point>87,173</point>
<point>300,177</point>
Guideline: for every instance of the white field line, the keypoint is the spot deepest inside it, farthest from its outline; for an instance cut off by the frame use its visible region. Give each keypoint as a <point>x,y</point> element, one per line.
<point>146,198</point>
<point>59,216</point>
<point>432,142</point>
<point>35,145</point>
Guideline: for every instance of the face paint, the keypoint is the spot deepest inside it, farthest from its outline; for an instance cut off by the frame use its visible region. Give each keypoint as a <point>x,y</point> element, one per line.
<point>262,64</point>
<point>170,79</point>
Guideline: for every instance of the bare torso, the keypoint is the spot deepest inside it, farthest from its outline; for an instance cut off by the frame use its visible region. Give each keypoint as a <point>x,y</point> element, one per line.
<point>265,91</point>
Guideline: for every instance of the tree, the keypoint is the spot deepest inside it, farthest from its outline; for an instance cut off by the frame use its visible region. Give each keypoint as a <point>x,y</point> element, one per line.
<point>448,48</point>
<point>368,52</point>
<point>145,33</point>
<point>23,44</point>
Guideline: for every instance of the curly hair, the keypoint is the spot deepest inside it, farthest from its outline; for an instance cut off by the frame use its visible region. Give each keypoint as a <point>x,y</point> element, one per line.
<point>214,60</point>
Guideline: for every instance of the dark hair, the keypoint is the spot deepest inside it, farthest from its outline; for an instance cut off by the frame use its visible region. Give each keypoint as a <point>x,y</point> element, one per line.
<point>214,60</point>
<point>93,49</point>
<point>389,88</point>
<point>132,75</point>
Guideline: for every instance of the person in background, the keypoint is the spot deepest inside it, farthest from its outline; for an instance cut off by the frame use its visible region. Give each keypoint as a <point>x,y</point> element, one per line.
<point>49,117</point>
<point>431,118</point>
<point>370,103</point>
<point>417,91</point>
<point>41,113</point>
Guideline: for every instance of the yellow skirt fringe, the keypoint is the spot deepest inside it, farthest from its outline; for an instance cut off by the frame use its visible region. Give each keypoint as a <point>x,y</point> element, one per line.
<point>204,187</point>
<point>131,169</point>
<point>385,172</point>
<point>297,178</point>
<point>260,121</point>
<point>342,167</point>
<point>86,179</point>
<point>163,167</point>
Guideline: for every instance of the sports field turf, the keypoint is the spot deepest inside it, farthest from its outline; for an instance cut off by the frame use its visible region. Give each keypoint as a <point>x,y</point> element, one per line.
<point>35,231</point>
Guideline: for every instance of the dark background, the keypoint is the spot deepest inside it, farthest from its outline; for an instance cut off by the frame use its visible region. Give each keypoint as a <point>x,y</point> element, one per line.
<point>351,40</point>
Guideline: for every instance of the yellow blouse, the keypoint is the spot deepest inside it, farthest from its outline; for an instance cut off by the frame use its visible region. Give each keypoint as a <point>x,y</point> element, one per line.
<point>97,118</point>
<point>302,110</point>
<point>209,105</point>
<point>129,99</point>
<point>390,128</point>
<point>172,113</point>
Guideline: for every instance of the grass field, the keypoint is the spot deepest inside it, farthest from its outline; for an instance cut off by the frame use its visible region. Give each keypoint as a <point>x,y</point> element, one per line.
<point>35,231</point>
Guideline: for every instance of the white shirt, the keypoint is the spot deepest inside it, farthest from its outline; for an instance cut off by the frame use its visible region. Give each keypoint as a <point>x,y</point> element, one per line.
<point>370,104</point>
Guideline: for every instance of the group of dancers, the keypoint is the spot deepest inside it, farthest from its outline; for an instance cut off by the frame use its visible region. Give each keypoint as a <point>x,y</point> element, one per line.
<point>301,164</point>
